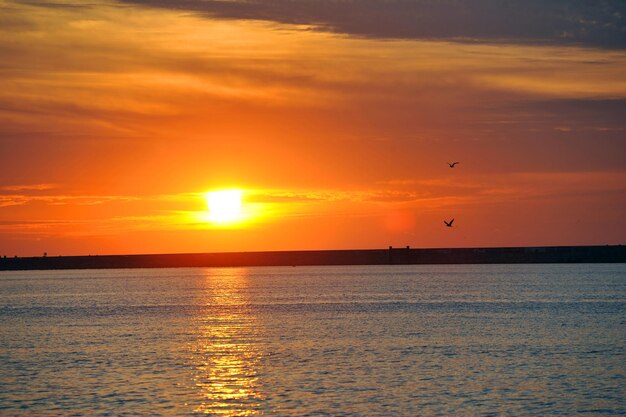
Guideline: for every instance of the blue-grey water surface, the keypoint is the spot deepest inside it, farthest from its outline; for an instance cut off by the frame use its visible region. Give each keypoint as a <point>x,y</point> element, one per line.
<point>463,340</point>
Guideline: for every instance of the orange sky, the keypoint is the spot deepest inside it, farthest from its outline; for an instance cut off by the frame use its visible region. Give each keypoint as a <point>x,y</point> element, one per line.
<point>117,117</point>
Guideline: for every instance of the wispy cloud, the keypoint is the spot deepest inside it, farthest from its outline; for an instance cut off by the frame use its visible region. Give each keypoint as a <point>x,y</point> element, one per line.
<point>533,21</point>
<point>28,187</point>
<point>73,200</point>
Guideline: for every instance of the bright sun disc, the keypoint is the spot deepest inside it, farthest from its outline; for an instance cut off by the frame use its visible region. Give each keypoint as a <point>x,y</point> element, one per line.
<point>224,206</point>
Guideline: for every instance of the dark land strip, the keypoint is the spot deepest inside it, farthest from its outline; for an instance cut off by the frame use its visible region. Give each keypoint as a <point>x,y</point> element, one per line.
<point>390,256</point>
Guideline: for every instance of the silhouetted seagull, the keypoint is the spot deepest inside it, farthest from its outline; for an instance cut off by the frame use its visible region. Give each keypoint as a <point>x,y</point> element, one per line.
<point>451,165</point>
<point>449,224</point>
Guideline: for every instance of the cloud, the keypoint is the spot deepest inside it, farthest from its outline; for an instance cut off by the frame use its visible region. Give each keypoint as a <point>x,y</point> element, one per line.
<point>27,187</point>
<point>57,4</point>
<point>73,200</point>
<point>598,23</point>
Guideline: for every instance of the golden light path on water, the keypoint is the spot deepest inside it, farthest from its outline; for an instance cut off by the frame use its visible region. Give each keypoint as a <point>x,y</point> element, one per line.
<point>226,354</point>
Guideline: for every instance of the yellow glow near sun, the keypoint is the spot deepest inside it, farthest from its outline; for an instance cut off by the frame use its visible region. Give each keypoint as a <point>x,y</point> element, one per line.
<point>224,206</point>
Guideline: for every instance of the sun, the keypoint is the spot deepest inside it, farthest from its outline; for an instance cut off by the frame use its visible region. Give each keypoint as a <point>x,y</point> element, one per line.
<point>224,206</point>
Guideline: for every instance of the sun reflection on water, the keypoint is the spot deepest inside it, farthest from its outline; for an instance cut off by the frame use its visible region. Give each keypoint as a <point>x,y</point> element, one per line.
<point>227,352</point>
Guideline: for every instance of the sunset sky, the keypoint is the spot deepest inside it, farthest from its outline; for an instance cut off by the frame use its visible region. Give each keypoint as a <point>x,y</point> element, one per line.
<point>335,120</point>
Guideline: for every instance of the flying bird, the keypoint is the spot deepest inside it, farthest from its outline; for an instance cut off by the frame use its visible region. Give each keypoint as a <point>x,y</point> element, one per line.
<point>449,224</point>
<point>451,165</point>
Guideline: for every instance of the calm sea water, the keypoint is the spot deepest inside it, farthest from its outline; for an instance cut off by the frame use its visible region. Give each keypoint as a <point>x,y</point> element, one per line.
<point>383,341</point>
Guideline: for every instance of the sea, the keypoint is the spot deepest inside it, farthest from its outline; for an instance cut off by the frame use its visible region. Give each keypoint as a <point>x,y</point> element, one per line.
<point>419,340</point>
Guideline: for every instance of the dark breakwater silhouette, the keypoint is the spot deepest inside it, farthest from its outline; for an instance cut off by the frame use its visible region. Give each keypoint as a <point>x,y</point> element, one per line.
<point>390,256</point>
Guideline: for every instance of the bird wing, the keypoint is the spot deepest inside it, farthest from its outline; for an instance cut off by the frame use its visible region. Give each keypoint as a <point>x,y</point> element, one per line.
<point>451,221</point>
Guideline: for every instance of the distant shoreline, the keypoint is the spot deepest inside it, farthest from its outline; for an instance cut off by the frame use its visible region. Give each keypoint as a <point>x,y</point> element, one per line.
<point>390,256</point>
